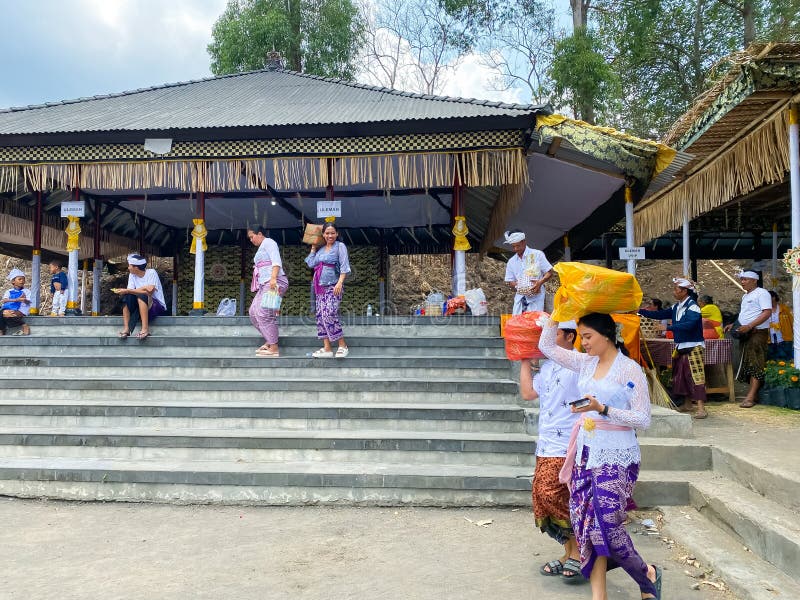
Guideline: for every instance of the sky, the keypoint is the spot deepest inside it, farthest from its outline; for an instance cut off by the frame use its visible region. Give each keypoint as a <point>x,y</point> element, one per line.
<point>65,49</point>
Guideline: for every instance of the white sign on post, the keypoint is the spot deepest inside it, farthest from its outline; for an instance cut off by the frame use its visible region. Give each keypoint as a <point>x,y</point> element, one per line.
<point>73,209</point>
<point>329,208</point>
<point>636,253</point>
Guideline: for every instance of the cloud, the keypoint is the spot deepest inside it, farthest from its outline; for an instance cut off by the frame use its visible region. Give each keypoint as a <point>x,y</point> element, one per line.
<point>473,79</point>
<point>63,49</point>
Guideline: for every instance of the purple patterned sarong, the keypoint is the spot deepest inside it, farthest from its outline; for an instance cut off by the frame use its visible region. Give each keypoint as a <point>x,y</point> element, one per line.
<point>328,324</point>
<point>599,501</point>
<point>266,319</point>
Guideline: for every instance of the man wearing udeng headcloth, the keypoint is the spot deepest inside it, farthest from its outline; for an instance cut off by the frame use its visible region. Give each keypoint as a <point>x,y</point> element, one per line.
<point>142,299</point>
<point>526,272</point>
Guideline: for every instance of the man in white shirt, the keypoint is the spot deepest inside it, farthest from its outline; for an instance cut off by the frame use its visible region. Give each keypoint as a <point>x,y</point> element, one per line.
<point>555,386</point>
<point>753,334</point>
<point>142,299</point>
<point>526,271</point>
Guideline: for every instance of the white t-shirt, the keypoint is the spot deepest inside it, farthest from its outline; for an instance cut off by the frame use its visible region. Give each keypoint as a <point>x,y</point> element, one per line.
<point>150,277</point>
<point>268,250</point>
<point>533,263</point>
<point>556,385</point>
<point>752,304</point>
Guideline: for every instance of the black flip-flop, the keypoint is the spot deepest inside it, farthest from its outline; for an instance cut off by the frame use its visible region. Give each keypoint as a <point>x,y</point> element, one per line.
<point>556,567</point>
<point>574,567</point>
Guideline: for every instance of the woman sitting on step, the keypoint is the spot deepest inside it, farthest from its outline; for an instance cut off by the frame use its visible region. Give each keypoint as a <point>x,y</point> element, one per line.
<point>143,299</point>
<point>602,463</point>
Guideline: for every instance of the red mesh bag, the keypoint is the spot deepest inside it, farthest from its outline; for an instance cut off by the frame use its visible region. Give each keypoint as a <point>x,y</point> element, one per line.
<point>522,336</point>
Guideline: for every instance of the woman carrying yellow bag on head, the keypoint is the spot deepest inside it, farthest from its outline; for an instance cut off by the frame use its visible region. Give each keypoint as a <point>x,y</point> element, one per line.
<point>586,289</point>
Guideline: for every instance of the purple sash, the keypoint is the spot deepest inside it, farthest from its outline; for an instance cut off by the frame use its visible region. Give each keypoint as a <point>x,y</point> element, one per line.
<point>318,289</point>
<point>256,267</point>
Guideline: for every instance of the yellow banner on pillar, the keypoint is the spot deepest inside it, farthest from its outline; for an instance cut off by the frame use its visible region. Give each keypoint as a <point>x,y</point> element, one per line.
<point>73,232</point>
<point>460,231</point>
<point>198,233</point>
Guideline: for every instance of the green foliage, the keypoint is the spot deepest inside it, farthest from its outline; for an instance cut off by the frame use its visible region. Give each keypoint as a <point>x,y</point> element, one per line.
<point>582,76</point>
<point>320,37</point>
<point>781,374</point>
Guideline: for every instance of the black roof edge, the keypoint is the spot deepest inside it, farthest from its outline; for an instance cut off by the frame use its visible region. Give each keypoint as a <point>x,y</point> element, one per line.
<point>332,130</point>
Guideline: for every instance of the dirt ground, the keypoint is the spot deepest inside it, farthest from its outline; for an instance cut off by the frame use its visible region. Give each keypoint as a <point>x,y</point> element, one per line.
<point>115,551</point>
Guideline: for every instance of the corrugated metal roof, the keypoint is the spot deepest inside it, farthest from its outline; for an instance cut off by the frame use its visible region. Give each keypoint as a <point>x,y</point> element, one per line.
<point>668,175</point>
<point>255,99</point>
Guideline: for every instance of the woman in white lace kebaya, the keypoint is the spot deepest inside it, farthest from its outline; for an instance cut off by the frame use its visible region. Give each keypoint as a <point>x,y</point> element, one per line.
<point>602,463</point>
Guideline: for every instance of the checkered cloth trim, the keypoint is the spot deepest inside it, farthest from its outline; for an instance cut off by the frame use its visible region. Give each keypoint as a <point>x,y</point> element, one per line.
<point>717,352</point>
<point>411,143</point>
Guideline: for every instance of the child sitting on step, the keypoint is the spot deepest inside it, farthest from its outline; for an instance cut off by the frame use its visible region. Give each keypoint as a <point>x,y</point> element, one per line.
<point>16,304</point>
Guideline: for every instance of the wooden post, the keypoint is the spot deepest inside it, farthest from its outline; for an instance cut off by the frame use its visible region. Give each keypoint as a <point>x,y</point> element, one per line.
<point>97,269</point>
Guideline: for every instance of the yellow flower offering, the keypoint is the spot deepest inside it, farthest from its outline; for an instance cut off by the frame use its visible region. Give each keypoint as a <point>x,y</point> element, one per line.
<point>794,378</point>
<point>782,363</point>
<point>781,372</point>
<point>589,425</point>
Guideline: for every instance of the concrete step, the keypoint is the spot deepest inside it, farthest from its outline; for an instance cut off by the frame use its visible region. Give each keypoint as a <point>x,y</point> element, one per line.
<point>281,483</point>
<point>251,366</point>
<point>388,447</point>
<point>277,416</point>
<point>162,345</point>
<point>748,576</point>
<point>309,385</point>
<point>289,326</point>
<point>775,481</point>
<point>265,394</point>
<point>768,529</point>
<point>664,423</point>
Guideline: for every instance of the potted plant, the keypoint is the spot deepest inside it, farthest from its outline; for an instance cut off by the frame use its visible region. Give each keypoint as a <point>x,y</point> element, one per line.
<point>781,384</point>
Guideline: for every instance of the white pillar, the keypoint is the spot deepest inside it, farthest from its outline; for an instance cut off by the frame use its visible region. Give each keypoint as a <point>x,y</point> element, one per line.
<point>629,242</point>
<point>174,297</point>
<point>687,267</point>
<point>567,249</point>
<point>72,283</point>
<point>97,271</point>
<point>459,273</point>
<point>83,286</point>
<point>198,306</point>
<point>36,281</point>
<point>794,182</point>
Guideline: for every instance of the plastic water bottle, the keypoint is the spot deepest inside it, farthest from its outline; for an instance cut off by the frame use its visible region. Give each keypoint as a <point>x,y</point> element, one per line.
<point>369,310</point>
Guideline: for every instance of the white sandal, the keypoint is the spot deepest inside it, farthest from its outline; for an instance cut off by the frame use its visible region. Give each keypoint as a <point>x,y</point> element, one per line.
<point>322,353</point>
<point>342,352</point>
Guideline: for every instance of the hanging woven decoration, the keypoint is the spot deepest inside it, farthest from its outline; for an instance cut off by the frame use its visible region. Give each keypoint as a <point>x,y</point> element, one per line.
<point>460,231</point>
<point>791,262</point>
<point>199,233</point>
<point>73,232</point>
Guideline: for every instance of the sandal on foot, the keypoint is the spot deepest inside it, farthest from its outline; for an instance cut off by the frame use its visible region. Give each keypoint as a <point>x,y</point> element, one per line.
<point>142,335</point>
<point>554,567</point>
<point>267,353</point>
<point>747,404</point>
<point>342,352</point>
<point>123,335</point>
<point>20,332</point>
<point>574,568</point>
<point>700,415</point>
<point>322,353</point>
<point>657,583</point>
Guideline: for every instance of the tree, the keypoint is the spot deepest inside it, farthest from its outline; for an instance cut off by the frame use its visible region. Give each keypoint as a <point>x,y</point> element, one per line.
<point>582,76</point>
<point>413,45</point>
<point>320,37</point>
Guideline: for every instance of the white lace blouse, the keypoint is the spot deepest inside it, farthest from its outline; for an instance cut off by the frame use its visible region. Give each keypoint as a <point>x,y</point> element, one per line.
<point>624,389</point>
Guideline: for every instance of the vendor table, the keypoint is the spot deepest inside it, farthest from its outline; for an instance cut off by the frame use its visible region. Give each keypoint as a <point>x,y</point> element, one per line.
<point>717,352</point>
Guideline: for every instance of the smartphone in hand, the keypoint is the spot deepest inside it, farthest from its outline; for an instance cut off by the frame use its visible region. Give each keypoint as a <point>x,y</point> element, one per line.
<point>580,402</point>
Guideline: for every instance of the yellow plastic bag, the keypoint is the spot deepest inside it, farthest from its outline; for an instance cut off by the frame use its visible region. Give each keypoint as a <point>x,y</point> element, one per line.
<point>586,289</point>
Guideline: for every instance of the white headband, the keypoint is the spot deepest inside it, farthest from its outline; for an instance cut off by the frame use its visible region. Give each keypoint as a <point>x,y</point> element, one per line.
<point>748,275</point>
<point>513,238</point>
<point>14,274</point>
<point>568,325</point>
<point>136,260</point>
<point>684,283</point>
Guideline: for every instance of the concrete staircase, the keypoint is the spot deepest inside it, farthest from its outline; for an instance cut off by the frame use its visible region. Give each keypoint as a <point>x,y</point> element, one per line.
<point>423,412</point>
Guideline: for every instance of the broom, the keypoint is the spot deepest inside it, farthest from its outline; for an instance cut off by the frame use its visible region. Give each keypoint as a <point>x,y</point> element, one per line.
<point>658,393</point>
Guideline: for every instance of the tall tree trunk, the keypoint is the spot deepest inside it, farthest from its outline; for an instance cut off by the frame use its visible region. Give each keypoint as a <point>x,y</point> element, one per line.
<point>580,8</point>
<point>295,53</point>
<point>749,22</point>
